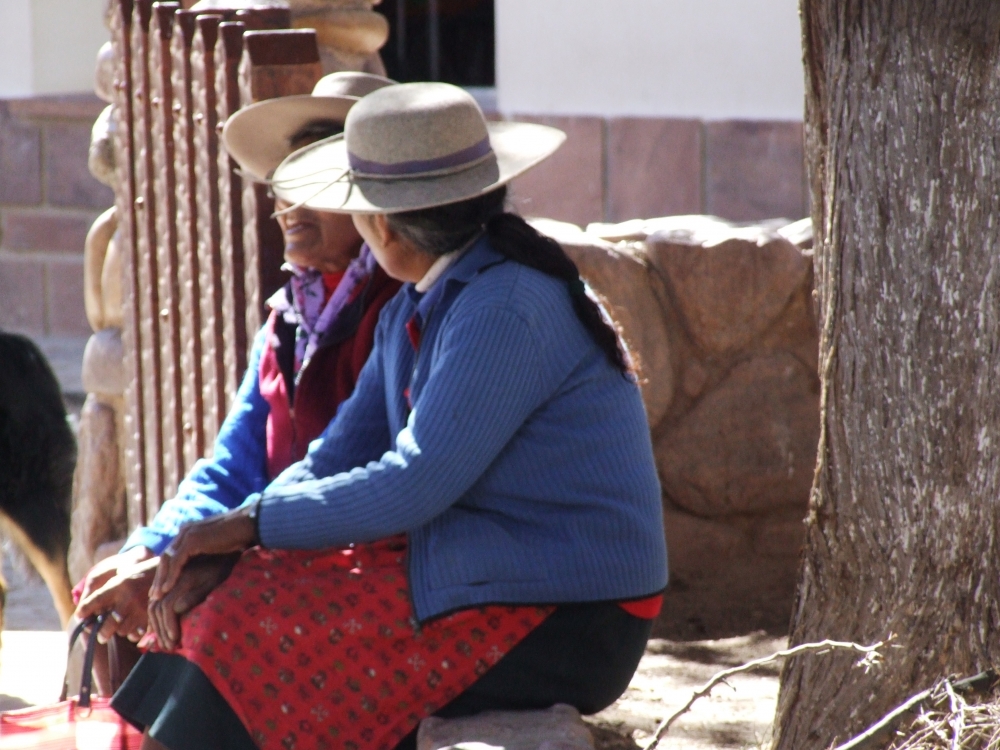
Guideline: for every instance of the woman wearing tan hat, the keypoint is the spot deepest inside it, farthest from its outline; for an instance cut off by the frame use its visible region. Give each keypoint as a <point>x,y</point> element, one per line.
<point>478,528</point>
<point>304,363</point>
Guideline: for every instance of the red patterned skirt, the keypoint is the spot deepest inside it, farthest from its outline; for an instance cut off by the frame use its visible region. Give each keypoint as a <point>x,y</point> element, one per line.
<point>320,649</point>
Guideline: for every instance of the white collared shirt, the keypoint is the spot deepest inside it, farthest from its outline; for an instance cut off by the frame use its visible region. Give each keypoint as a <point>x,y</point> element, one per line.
<point>435,271</point>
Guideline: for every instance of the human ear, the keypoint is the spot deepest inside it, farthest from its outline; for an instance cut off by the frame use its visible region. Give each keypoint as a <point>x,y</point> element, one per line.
<point>385,233</point>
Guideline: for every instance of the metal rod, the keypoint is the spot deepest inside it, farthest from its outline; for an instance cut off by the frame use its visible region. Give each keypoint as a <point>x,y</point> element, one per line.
<point>434,40</point>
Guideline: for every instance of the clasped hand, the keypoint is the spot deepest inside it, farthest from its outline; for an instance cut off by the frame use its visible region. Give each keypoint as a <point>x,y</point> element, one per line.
<point>198,560</point>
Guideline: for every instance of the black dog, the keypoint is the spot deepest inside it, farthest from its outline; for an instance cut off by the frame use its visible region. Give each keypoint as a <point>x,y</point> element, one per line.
<point>37,458</point>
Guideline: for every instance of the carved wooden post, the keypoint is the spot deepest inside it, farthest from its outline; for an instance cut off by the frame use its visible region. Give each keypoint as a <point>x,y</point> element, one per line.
<point>148,268</point>
<point>275,63</point>
<point>207,192</point>
<point>187,239</point>
<point>135,476</point>
<point>164,190</point>
<point>228,50</point>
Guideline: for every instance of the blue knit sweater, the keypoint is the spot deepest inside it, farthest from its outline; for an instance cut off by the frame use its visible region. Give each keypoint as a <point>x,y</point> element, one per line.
<point>524,471</point>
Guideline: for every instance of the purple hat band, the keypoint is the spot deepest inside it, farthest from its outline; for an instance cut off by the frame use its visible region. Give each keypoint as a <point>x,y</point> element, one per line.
<point>422,167</point>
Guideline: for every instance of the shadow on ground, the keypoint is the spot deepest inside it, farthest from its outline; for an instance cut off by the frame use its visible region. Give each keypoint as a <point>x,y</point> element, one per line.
<point>12,703</point>
<point>737,715</point>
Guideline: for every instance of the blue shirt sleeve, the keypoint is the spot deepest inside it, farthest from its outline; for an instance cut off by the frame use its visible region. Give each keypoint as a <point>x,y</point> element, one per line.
<point>237,468</point>
<point>484,385</point>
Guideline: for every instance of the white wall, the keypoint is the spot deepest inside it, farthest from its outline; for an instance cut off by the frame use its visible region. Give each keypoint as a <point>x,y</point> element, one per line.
<point>712,59</point>
<point>49,46</point>
<point>16,52</point>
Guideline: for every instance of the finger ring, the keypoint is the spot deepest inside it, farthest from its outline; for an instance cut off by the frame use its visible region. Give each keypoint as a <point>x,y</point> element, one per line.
<point>140,630</point>
<point>115,616</point>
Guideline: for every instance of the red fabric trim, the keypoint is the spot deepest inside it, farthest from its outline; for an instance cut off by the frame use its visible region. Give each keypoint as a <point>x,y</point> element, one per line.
<point>647,609</point>
<point>330,283</point>
<point>282,445</point>
<point>413,331</point>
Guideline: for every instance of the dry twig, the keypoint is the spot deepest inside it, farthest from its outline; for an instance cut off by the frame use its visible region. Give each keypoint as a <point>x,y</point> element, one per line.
<point>869,659</point>
<point>961,727</point>
<point>885,723</point>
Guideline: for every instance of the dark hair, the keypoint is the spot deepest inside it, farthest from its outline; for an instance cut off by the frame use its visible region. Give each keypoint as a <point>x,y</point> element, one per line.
<point>441,229</point>
<point>315,130</point>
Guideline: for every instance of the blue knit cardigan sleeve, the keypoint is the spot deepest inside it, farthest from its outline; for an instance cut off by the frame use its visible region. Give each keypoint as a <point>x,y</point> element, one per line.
<point>483,386</point>
<point>237,468</point>
<point>358,434</point>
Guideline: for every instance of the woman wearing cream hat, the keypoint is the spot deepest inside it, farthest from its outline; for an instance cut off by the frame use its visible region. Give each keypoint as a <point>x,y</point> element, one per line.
<point>478,528</point>
<point>304,363</point>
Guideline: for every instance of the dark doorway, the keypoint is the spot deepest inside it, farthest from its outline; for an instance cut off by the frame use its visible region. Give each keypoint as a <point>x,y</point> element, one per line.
<point>440,40</point>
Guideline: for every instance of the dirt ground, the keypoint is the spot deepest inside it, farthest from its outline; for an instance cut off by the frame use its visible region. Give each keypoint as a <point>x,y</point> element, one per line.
<point>737,714</point>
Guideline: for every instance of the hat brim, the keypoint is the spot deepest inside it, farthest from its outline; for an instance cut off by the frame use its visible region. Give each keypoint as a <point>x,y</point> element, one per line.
<point>318,176</point>
<point>258,135</point>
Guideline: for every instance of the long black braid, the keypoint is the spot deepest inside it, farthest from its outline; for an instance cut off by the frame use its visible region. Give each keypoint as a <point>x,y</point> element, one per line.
<point>444,228</point>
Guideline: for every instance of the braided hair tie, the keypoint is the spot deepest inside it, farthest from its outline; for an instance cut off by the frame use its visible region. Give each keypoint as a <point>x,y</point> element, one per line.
<point>577,288</point>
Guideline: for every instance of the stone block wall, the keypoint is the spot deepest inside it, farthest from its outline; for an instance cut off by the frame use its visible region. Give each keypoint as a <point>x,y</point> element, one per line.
<point>721,321</point>
<point>48,200</point>
<point>619,169</point>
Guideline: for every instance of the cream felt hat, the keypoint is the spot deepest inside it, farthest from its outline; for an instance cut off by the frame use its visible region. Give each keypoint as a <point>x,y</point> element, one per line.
<point>259,136</point>
<point>411,146</point>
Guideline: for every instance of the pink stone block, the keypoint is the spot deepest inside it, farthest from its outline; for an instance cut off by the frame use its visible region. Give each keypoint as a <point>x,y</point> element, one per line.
<point>58,106</point>
<point>68,181</point>
<point>569,185</point>
<point>22,296</point>
<point>654,168</point>
<point>20,161</point>
<point>754,170</point>
<point>43,230</point>
<point>66,313</point>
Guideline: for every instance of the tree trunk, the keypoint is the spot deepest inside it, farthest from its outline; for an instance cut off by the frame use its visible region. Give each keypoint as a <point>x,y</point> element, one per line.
<point>903,133</point>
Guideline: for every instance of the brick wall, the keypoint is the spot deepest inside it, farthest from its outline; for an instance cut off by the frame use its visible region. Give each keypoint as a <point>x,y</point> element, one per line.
<point>629,168</point>
<point>48,200</point>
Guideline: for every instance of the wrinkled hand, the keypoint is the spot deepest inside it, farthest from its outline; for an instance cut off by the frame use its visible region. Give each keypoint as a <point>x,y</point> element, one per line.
<point>107,568</point>
<point>124,595</point>
<point>196,581</point>
<point>229,532</point>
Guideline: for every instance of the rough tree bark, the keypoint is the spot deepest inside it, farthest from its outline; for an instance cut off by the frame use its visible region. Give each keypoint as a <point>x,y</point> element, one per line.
<point>903,134</point>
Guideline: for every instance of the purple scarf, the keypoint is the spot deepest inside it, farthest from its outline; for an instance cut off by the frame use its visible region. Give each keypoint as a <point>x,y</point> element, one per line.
<point>306,310</point>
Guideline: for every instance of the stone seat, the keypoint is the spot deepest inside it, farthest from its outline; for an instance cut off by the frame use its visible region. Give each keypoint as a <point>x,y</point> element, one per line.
<point>556,728</point>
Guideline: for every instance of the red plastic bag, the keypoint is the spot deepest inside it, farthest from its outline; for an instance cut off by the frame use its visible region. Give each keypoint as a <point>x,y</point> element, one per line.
<point>68,726</point>
<point>81,723</point>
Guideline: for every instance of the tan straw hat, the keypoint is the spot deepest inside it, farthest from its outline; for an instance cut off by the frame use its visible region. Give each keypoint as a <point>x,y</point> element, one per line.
<point>411,146</point>
<point>259,136</point>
